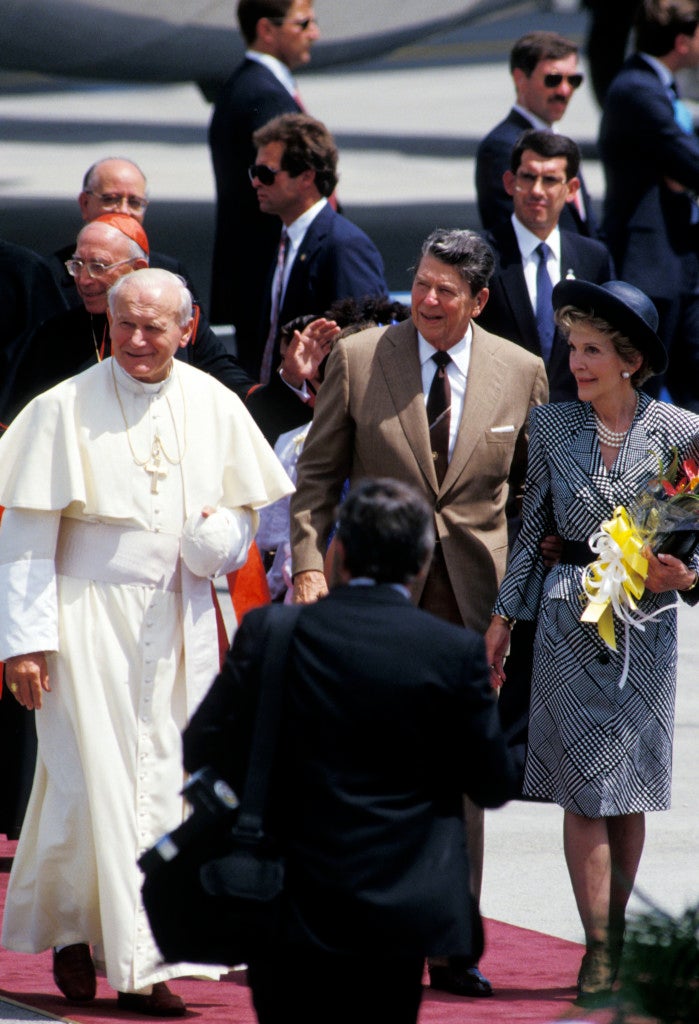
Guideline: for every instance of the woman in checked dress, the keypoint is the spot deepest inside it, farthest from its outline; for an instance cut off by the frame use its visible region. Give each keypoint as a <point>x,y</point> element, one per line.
<point>600,750</point>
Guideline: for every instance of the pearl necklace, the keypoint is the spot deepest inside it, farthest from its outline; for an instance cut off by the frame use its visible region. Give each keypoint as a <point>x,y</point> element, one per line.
<point>613,438</point>
<point>152,463</point>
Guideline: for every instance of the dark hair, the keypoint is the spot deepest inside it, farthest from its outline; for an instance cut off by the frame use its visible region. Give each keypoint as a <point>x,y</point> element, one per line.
<point>465,250</point>
<point>381,311</point>
<point>386,530</point>
<point>308,145</point>
<point>250,11</point>
<point>537,46</point>
<point>660,22</point>
<point>547,144</point>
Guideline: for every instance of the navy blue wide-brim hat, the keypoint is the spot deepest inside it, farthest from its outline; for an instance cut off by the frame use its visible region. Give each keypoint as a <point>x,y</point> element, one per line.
<point>625,308</point>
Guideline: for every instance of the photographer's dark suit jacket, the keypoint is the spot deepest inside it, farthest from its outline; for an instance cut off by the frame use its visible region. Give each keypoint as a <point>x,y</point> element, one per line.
<point>388,718</point>
<point>509,313</point>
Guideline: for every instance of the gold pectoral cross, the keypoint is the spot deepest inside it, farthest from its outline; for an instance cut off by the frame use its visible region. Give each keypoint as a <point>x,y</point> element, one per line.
<point>153,466</point>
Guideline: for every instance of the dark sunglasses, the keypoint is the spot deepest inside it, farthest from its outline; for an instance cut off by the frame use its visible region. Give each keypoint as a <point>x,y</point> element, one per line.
<point>264,174</point>
<point>574,81</point>
<point>301,23</point>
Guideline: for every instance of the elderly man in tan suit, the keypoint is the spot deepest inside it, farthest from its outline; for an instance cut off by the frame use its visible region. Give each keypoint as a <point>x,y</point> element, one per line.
<point>443,405</point>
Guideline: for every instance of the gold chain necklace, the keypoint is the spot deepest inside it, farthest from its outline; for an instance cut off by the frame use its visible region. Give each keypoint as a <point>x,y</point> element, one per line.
<point>99,350</point>
<point>152,463</point>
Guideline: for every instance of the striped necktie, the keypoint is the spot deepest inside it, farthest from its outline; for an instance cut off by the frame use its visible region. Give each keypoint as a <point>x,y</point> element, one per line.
<point>277,293</point>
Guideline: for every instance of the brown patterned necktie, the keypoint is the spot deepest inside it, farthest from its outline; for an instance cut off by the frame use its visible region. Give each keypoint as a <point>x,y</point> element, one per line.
<point>438,408</point>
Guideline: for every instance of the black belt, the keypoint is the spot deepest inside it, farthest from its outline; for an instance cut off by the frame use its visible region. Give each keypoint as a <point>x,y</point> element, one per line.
<point>576,552</point>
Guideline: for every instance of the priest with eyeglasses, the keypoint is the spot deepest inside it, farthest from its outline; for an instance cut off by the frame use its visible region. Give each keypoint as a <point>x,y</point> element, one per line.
<point>126,490</point>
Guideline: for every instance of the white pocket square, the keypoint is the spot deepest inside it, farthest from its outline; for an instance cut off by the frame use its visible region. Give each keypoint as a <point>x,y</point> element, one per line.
<point>508,429</point>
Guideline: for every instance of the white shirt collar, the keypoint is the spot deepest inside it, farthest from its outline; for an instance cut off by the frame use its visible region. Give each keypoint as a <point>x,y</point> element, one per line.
<point>366,581</point>
<point>663,73</point>
<point>278,69</point>
<point>527,241</point>
<point>298,228</point>
<point>460,353</point>
<point>535,121</point>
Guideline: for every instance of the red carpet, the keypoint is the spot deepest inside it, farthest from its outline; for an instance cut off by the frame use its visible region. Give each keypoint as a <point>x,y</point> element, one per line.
<point>533,976</point>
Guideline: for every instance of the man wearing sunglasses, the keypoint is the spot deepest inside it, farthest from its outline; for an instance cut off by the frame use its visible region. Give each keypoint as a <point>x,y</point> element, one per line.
<point>544,68</point>
<point>279,35</point>
<point>542,180</point>
<point>111,185</point>
<point>322,256</point>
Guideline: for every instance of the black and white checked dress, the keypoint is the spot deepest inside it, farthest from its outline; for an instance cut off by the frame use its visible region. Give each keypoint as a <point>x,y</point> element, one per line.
<point>594,748</point>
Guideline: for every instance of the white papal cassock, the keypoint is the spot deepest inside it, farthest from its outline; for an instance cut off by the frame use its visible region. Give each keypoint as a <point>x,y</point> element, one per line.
<point>94,570</point>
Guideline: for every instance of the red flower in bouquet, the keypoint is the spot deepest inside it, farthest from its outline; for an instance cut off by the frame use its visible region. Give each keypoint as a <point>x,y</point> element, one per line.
<point>666,514</point>
<point>687,480</point>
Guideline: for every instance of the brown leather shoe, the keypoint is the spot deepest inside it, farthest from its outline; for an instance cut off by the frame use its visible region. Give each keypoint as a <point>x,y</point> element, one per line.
<point>74,973</point>
<point>160,1003</point>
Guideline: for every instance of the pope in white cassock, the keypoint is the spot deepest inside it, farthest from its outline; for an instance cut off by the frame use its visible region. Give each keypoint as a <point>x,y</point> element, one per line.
<point>126,489</point>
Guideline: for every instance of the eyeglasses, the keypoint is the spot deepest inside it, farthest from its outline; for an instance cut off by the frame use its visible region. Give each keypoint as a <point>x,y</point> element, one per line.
<point>554,80</point>
<point>264,174</point>
<point>110,201</point>
<point>93,267</point>
<point>301,23</point>
<point>528,181</point>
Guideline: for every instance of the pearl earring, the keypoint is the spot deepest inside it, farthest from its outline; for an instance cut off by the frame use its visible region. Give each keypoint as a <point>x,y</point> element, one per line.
<point>625,374</point>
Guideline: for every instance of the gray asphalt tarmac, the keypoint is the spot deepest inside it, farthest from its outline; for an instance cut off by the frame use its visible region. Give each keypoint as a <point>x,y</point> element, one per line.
<point>407,127</point>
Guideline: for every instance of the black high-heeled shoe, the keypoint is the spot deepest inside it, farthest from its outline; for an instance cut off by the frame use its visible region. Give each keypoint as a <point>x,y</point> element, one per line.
<point>595,978</point>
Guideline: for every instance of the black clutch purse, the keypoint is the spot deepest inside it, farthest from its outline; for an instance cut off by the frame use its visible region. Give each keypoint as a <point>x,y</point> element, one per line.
<point>680,543</point>
<point>213,887</point>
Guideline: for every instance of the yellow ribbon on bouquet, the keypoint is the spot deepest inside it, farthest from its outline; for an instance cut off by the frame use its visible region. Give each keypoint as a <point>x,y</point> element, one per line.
<point>615,580</point>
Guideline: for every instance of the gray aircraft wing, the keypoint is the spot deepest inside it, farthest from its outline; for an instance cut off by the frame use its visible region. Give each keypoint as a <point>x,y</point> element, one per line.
<point>197,40</point>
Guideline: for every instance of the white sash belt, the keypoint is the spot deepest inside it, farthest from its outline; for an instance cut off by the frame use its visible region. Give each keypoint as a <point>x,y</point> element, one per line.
<point>118,554</point>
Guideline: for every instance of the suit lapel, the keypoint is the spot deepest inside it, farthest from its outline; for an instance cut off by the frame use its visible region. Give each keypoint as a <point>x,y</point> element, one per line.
<point>483,392</point>
<point>312,240</point>
<point>400,363</point>
<point>515,290</point>
<point>580,461</point>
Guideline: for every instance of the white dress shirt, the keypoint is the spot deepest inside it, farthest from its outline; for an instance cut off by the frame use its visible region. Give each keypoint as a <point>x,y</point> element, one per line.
<point>528,243</point>
<point>457,371</point>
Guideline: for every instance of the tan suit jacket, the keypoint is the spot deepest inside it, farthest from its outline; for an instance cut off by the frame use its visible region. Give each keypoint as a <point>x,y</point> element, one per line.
<point>370,420</point>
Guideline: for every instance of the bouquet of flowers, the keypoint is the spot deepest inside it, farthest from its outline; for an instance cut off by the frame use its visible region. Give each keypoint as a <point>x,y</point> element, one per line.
<point>666,514</point>
<point>664,517</point>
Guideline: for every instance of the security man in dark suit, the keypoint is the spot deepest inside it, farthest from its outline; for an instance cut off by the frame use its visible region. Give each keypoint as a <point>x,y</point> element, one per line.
<point>650,154</point>
<point>542,181</point>
<point>322,256</point>
<point>545,72</point>
<point>388,718</point>
<point>279,35</point>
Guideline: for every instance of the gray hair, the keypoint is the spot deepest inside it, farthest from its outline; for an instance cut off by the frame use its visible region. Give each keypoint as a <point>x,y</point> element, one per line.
<point>91,172</point>
<point>158,279</point>
<point>464,250</point>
